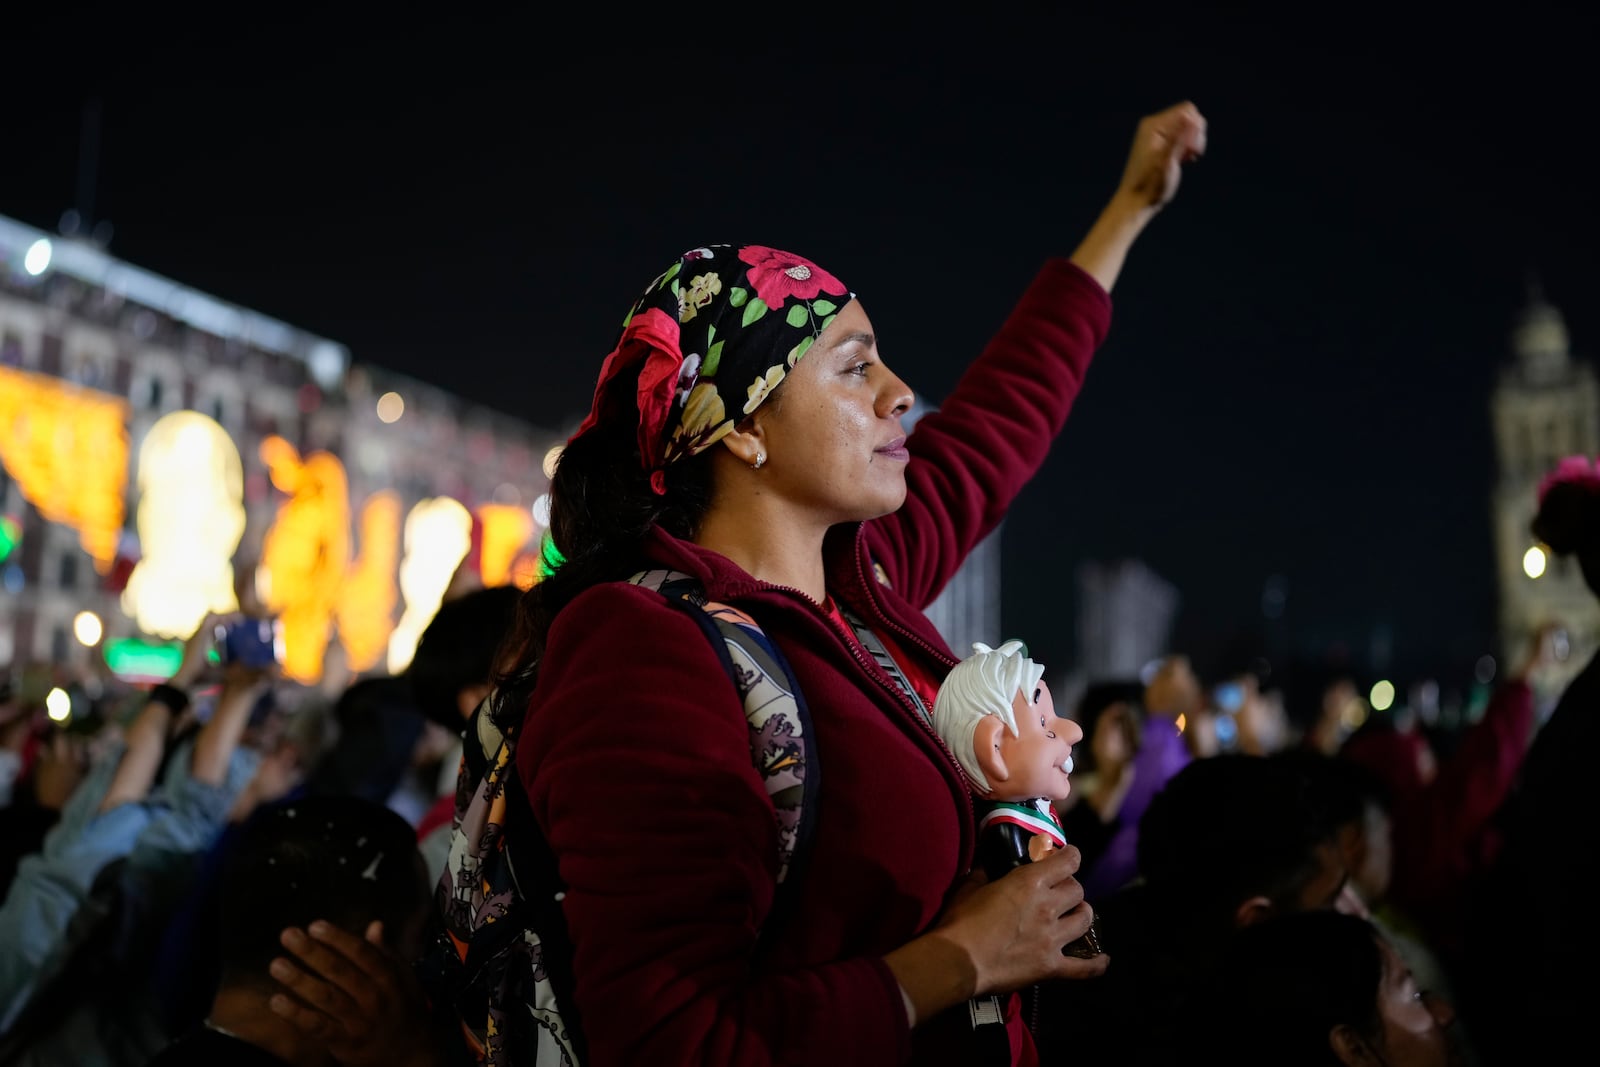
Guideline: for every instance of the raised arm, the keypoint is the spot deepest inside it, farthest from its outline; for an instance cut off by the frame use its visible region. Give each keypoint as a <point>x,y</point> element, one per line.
<point>214,745</point>
<point>990,436</point>
<point>1163,143</point>
<point>146,739</point>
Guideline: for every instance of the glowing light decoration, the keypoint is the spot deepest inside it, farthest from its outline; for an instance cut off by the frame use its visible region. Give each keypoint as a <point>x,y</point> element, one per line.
<point>390,407</point>
<point>525,570</point>
<point>67,448</point>
<point>37,259</point>
<point>1533,562</point>
<point>304,553</point>
<point>551,559</point>
<point>137,659</point>
<point>191,517</point>
<point>1382,696</point>
<point>438,535</point>
<point>367,599</point>
<point>58,705</point>
<point>506,530</point>
<point>87,628</point>
<point>10,536</point>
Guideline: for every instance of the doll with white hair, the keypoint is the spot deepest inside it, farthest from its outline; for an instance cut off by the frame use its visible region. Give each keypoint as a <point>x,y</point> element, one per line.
<point>997,716</point>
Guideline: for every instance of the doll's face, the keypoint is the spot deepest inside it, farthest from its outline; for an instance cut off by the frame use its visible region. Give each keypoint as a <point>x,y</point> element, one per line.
<point>1038,758</point>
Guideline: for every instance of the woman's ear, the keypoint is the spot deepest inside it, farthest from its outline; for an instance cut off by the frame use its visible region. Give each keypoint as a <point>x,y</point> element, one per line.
<point>1252,911</point>
<point>746,442</point>
<point>986,748</point>
<point>1351,1048</point>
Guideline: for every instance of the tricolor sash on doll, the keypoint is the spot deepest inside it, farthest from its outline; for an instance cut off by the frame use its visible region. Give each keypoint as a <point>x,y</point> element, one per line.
<point>1031,817</point>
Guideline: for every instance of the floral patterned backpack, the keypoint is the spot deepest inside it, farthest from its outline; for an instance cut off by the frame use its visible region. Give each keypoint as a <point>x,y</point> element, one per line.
<point>498,961</point>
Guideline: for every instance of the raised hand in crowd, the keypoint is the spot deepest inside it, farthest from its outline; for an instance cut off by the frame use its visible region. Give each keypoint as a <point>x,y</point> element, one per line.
<point>356,996</point>
<point>62,763</point>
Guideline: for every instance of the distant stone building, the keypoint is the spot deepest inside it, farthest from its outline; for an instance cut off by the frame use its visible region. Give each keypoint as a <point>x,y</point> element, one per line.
<point>1545,407</point>
<point>1125,617</point>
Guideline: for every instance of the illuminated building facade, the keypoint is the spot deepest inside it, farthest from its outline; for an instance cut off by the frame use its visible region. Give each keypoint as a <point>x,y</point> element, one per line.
<point>144,424</point>
<point>1125,617</point>
<point>1546,407</point>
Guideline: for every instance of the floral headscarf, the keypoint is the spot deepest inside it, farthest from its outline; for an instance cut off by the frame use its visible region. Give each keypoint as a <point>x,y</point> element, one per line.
<point>717,332</point>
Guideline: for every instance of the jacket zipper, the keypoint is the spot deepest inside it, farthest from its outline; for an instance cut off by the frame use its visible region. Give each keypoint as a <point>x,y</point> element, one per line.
<point>881,617</point>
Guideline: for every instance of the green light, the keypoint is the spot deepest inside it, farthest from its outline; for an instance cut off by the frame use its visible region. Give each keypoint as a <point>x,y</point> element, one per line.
<point>135,657</point>
<point>550,557</point>
<point>10,536</point>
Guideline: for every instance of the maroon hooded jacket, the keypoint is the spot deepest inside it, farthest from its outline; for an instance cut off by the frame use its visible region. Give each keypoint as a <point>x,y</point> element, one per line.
<point>636,756</point>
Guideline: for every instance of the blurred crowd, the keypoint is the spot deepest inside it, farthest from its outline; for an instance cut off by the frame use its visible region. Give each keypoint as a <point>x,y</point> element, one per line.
<point>126,918</point>
<point>1267,868</point>
<point>1202,808</point>
<point>1278,865</point>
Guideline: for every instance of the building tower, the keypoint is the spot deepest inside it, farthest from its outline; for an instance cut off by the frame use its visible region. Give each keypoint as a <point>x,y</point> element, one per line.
<point>1545,407</point>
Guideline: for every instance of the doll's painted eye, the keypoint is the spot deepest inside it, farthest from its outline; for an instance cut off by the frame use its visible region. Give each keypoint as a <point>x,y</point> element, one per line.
<point>1037,693</point>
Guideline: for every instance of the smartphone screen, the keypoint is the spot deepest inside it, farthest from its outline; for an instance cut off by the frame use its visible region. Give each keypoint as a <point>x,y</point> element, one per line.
<point>250,642</point>
<point>1229,696</point>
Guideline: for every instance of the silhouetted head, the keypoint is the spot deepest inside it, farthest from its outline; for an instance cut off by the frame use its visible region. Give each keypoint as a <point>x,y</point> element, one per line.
<point>1235,838</point>
<point>342,859</point>
<point>458,651</point>
<point>1568,519</point>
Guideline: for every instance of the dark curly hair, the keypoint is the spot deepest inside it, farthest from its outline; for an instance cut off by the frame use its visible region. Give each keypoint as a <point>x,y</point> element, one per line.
<point>601,509</point>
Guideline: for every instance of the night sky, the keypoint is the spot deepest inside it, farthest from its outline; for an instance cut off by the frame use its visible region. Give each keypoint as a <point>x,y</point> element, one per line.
<point>1298,376</point>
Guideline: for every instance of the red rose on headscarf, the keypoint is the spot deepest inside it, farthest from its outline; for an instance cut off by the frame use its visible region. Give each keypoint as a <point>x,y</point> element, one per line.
<point>778,276</point>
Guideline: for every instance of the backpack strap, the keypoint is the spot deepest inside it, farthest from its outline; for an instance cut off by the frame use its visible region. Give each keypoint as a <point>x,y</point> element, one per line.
<point>497,812</point>
<point>774,707</point>
<point>880,654</point>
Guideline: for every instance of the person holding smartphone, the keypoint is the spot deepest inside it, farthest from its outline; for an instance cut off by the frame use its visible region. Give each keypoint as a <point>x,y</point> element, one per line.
<point>123,846</point>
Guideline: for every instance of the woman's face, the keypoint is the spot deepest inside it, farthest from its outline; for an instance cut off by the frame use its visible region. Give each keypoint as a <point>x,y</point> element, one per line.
<point>1413,1020</point>
<point>1113,742</point>
<point>832,437</point>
